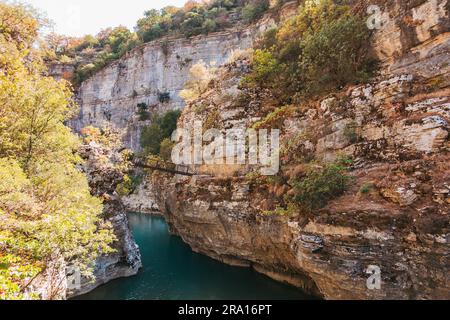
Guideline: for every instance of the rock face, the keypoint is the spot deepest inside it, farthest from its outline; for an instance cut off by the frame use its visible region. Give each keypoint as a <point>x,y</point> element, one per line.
<point>413,37</point>
<point>61,71</point>
<point>401,226</point>
<point>395,214</point>
<point>112,95</point>
<point>52,284</point>
<point>104,176</point>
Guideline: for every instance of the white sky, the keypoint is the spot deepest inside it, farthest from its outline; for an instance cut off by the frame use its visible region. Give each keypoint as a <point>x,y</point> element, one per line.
<point>80,17</point>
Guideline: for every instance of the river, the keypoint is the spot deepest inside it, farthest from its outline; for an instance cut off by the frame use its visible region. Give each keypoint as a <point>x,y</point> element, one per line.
<point>172,271</point>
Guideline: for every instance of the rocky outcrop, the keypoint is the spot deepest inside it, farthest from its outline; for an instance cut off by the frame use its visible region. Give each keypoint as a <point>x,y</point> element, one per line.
<point>410,37</point>
<point>61,71</point>
<point>142,199</point>
<point>413,36</point>
<point>104,174</point>
<point>400,149</point>
<point>155,73</point>
<point>51,284</point>
<point>394,215</point>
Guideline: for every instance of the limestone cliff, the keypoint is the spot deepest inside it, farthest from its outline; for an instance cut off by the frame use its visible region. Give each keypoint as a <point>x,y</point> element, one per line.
<point>112,95</point>
<point>397,131</point>
<point>142,199</point>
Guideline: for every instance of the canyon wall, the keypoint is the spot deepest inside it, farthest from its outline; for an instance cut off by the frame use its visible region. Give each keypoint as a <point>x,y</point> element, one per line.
<point>410,36</point>
<point>399,142</point>
<point>111,96</point>
<point>103,167</point>
<point>156,69</point>
<point>394,215</point>
<point>110,99</point>
<point>401,225</point>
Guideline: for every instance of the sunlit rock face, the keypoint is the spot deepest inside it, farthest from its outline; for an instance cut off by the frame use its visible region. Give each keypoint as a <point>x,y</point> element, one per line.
<point>142,200</point>
<point>413,36</point>
<point>396,129</point>
<point>158,69</point>
<point>400,150</point>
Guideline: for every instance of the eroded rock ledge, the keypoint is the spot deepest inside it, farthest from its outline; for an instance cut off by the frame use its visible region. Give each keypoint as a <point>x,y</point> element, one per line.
<point>399,142</point>
<point>402,226</point>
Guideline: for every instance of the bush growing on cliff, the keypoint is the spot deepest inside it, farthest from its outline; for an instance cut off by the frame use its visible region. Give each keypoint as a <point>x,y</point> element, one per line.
<point>46,209</point>
<point>164,97</point>
<point>165,149</point>
<point>143,112</point>
<point>197,18</point>
<point>162,127</point>
<point>129,184</point>
<point>320,184</point>
<point>323,48</point>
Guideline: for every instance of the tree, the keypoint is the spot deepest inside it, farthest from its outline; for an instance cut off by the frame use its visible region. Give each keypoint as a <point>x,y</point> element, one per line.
<point>118,39</point>
<point>255,10</point>
<point>162,127</point>
<point>323,48</point>
<point>199,78</point>
<point>151,138</point>
<point>46,209</point>
<point>165,150</point>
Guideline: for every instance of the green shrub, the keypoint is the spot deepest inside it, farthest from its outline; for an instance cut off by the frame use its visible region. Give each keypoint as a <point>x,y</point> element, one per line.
<point>209,25</point>
<point>320,185</point>
<point>164,97</point>
<point>168,122</point>
<point>153,33</point>
<point>265,68</point>
<point>129,184</point>
<point>212,120</point>
<point>200,107</point>
<point>255,10</point>
<point>335,55</point>
<point>161,128</point>
<point>366,188</point>
<point>291,210</point>
<point>143,112</point>
<point>323,48</point>
<point>275,119</point>
<point>165,149</point>
<point>151,138</point>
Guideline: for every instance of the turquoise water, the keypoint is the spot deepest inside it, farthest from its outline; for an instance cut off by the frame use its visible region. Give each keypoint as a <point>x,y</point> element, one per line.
<point>173,272</point>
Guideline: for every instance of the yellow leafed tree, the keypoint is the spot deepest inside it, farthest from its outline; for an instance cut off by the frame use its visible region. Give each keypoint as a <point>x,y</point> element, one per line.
<point>46,209</point>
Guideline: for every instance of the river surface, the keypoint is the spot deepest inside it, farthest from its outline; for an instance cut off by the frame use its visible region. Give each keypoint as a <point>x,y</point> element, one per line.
<point>172,271</point>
